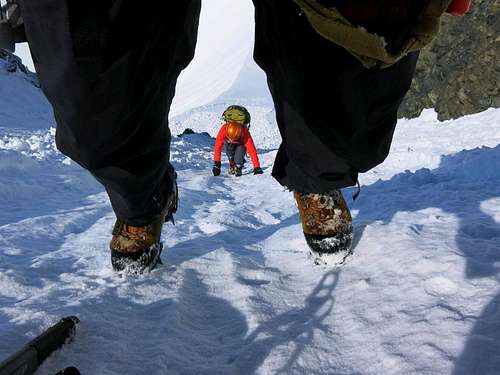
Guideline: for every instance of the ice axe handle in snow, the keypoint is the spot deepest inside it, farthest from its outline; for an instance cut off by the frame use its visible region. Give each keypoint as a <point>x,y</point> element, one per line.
<point>27,360</point>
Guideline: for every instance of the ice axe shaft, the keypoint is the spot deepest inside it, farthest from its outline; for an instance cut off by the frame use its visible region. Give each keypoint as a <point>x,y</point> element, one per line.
<point>27,360</point>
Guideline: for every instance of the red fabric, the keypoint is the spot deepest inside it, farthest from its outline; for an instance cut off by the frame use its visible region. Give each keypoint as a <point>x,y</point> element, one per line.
<point>246,139</point>
<point>219,142</point>
<point>458,7</point>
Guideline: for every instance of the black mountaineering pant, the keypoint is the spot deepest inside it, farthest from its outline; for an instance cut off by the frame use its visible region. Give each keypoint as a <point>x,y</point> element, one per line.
<point>336,118</point>
<point>109,69</point>
<point>236,152</point>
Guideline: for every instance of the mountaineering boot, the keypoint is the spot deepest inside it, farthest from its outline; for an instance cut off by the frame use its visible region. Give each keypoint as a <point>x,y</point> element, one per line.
<point>327,224</point>
<point>138,249</point>
<point>238,171</point>
<point>232,167</point>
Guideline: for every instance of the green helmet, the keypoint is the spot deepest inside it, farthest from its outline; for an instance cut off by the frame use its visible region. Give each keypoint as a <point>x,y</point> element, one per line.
<point>236,113</point>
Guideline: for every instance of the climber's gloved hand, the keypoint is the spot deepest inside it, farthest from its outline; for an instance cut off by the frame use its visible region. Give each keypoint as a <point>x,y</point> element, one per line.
<point>258,170</point>
<point>216,168</point>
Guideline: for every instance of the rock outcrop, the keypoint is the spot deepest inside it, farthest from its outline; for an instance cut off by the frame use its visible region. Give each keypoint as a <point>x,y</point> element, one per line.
<point>459,73</point>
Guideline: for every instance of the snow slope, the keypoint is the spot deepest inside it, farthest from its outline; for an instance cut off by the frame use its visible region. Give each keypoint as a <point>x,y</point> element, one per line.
<point>22,104</point>
<point>236,293</point>
<point>225,39</point>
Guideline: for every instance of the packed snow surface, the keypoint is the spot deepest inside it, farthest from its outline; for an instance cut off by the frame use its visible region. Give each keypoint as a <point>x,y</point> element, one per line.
<point>236,293</point>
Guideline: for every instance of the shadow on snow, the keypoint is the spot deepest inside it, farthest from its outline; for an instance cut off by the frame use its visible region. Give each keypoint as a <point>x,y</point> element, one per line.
<point>458,186</point>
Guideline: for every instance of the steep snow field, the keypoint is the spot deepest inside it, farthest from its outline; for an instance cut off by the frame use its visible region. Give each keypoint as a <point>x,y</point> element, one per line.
<point>224,43</point>
<point>236,293</point>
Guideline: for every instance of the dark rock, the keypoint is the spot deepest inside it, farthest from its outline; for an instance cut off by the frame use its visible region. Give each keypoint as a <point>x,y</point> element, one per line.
<point>186,131</point>
<point>459,73</point>
<point>189,131</point>
<point>12,64</point>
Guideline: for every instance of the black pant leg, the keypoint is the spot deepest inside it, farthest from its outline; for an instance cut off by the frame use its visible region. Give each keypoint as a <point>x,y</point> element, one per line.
<point>336,118</point>
<point>109,69</point>
<point>230,149</point>
<point>239,155</point>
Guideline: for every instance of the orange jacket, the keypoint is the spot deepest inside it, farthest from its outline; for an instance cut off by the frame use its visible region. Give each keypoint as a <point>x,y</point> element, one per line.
<point>246,140</point>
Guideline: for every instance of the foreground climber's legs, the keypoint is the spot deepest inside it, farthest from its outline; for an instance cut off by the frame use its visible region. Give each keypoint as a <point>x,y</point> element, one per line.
<point>109,69</point>
<point>335,116</point>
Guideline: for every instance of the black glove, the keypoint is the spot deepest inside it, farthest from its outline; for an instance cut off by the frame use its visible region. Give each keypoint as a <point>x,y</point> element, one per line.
<point>216,168</point>
<point>258,170</point>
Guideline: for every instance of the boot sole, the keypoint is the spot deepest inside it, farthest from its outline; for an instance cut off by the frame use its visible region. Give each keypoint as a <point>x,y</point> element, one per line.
<point>137,263</point>
<point>329,250</point>
<point>330,259</point>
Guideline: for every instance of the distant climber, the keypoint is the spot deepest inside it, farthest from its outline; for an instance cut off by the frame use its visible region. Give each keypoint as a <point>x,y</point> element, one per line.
<point>234,136</point>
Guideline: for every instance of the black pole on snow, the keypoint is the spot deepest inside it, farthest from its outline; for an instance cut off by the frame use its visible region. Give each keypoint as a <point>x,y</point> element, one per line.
<point>27,360</point>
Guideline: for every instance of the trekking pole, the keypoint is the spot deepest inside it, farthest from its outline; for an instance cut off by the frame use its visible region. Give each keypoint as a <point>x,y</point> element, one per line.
<point>27,360</point>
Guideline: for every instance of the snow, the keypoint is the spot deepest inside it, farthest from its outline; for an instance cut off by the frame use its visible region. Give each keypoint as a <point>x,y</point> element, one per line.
<point>22,104</point>
<point>23,51</point>
<point>237,293</point>
<point>224,43</point>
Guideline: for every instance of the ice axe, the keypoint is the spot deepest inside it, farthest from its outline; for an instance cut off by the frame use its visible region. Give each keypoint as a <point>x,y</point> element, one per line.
<point>27,360</point>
